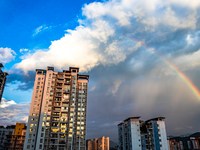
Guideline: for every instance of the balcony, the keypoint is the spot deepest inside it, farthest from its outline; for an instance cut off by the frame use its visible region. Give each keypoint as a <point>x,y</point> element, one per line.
<point>66,91</point>
<point>59,81</point>
<point>64,110</point>
<point>60,77</point>
<point>58,95</point>
<point>65,100</point>
<point>67,82</point>
<point>56,110</point>
<point>56,115</point>
<point>68,77</point>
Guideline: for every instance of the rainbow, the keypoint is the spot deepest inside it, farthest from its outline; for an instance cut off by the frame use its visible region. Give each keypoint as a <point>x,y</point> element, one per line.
<point>173,67</point>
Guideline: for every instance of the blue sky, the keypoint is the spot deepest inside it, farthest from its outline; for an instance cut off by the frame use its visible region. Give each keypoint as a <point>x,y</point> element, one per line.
<point>104,39</point>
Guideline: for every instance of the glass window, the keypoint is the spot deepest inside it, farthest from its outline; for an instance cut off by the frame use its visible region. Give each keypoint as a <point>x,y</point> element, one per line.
<point>37,87</point>
<point>47,123</point>
<point>39,78</point>
<point>31,125</point>
<point>74,77</point>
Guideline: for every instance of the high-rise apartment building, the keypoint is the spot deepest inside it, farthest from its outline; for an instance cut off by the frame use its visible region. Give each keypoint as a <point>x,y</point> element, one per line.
<point>2,81</point>
<point>101,143</point>
<point>134,134</point>
<point>57,117</point>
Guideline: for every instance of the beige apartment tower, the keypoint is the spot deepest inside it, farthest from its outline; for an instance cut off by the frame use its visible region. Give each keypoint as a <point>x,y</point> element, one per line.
<point>57,117</point>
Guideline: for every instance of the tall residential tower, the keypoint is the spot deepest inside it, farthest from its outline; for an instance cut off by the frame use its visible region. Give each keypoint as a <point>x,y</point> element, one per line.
<point>57,117</point>
<point>2,81</point>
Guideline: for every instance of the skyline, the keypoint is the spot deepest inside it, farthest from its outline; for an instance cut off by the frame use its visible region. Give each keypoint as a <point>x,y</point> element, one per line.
<point>127,48</point>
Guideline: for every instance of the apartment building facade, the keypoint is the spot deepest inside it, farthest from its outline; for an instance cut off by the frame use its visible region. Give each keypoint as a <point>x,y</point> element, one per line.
<point>101,143</point>
<point>135,134</point>
<point>57,117</point>
<point>3,78</point>
<point>12,137</point>
<point>4,132</point>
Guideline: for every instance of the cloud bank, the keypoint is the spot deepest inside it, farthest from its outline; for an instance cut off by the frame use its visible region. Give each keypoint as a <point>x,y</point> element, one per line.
<point>11,112</point>
<point>106,29</point>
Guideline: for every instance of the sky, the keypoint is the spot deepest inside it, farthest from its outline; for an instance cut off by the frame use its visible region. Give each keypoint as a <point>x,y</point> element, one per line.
<point>134,51</point>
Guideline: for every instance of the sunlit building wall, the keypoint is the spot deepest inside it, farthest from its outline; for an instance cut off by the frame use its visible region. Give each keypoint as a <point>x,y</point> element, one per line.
<point>101,143</point>
<point>57,117</point>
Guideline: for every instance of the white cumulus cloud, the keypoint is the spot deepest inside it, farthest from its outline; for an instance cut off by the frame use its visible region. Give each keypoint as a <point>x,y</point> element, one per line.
<point>6,55</point>
<point>103,36</point>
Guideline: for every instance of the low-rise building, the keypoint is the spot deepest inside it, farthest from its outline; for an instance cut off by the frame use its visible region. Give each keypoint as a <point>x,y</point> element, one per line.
<point>12,137</point>
<point>101,143</point>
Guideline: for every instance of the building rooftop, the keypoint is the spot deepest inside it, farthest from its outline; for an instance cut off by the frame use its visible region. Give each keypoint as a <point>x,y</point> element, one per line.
<point>156,119</point>
<point>132,118</point>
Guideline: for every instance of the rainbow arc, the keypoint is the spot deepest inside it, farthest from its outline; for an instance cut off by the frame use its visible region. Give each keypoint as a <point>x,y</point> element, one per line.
<point>173,67</point>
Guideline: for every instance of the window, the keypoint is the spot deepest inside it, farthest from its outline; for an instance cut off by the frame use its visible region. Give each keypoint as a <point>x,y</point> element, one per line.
<point>38,83</point>
<point>41,140</point>
<point>39,78</point>
<point>37,87</point>
<point>47,123</point>
<point>28,146</point>
<point>42,134</point>
<point>30,135</point>
<point>74,77</point>
<point>29,140</point>
<point>40,146</point>
<point>42,128</point>
<point>31,130</point>
<point>31,125</point>
<point>36,96</point>
<point>49,75</point>
<point>36,91</point>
